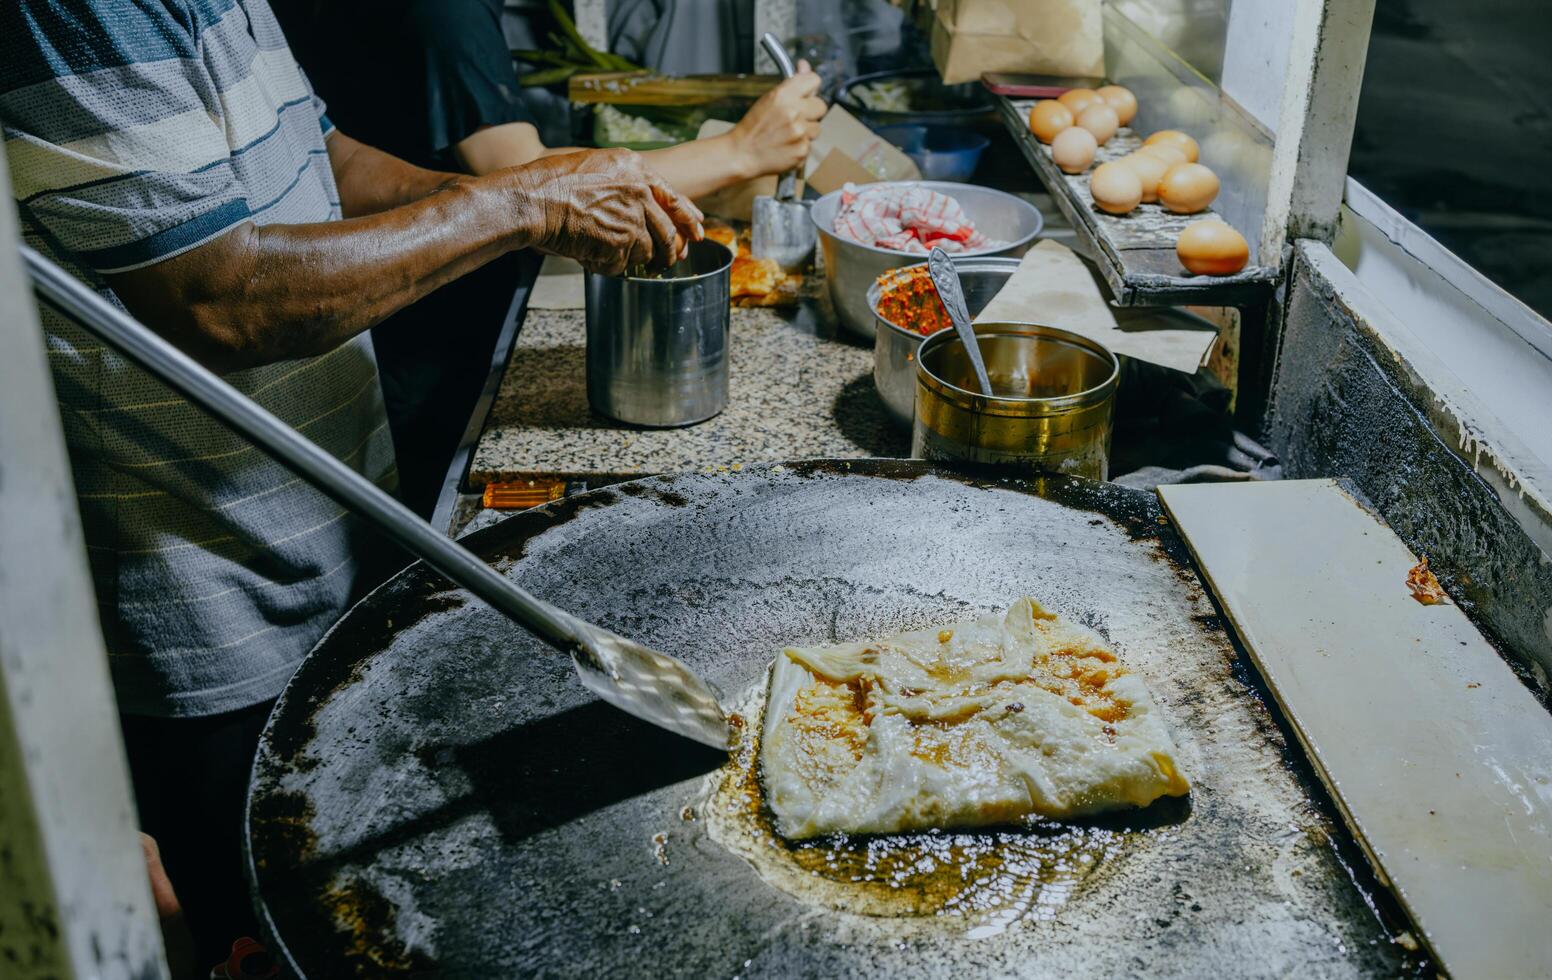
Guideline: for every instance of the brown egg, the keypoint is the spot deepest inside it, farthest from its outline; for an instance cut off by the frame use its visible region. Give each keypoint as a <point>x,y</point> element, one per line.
<point>1101,120</point>
<point>1177,138</point>
<point>1187,188</point>
<point>1073,149</point>
<point>1211,248</point>
<point>1047,118</point>
<point>1170,153</point>
<point>1115,187</point>
<point>1121,99</point>
<point>1148,167</point>
<point>1078,99</point>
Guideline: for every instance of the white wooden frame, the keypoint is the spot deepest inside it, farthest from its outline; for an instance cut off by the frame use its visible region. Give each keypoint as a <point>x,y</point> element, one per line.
<point>1329,46</point>
<point>74,897</point>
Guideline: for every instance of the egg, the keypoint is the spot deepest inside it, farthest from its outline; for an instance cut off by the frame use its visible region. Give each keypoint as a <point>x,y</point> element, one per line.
<point>1177,138</point>
<point>1211,248</point>
<point>1078,99</point>
<point>1187,188</point>
<point>1170,153</point>
<point>1101,120</point>
<point>1149,168</point>
<point>1047,118</point>
<point>1121,99</point>
<point>1115,187</point>
<point>1073,149</point>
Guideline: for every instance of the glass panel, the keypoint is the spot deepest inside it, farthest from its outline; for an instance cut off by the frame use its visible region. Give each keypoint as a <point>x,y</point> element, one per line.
<point>1453,132</point>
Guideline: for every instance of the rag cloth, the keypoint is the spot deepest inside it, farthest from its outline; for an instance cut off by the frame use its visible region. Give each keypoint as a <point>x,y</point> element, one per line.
<point>907,218</point>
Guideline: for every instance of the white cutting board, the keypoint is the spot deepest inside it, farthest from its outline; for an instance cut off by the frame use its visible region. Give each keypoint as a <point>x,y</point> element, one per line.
<point>1439,756</point>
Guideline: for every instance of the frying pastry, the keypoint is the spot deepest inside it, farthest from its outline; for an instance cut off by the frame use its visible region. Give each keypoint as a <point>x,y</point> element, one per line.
<point>724,235</point>
<point>1009,717</point>
<point>787,293</point>
<point>753,277</point>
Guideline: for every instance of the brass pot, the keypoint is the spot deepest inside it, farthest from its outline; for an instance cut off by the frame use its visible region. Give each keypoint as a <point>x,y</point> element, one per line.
<point>1052,405</point>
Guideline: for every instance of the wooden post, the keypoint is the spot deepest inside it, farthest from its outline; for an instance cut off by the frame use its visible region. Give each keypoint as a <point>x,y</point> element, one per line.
<point>592,20</point>
<point>74,898</point>
<point>1330,42</point>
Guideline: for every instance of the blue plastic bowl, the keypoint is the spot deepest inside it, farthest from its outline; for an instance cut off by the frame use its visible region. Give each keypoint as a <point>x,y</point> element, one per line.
<point>940,152</point>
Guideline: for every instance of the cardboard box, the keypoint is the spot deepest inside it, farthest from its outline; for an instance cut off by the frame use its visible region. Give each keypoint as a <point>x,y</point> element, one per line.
<point>1052,37</point>
<point>845,152</point>
<point>842,135</point>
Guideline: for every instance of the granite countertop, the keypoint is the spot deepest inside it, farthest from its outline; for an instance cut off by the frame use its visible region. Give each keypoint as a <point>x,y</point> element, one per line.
<point>797,390</point>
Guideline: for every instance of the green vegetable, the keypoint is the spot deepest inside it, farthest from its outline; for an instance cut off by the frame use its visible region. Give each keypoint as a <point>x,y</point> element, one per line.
<point>570,54</point>
<point>548,76</point>
<point>569,29</point>
<point>552,58</point>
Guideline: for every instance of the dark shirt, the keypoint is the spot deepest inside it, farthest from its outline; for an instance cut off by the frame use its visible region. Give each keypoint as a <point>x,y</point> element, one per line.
<point>414,78</point>
<point>411,77</point>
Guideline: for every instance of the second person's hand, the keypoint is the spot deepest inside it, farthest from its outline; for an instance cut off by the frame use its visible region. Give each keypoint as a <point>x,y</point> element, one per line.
<point>774,135</point>
<point>607,210</point>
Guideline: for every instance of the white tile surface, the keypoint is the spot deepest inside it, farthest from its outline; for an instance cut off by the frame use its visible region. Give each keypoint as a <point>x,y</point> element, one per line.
<point>1439,756</point>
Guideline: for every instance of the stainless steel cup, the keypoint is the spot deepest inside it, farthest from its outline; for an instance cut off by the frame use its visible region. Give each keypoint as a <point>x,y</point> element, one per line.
<point>1052,405</point>
<point>657,348</point>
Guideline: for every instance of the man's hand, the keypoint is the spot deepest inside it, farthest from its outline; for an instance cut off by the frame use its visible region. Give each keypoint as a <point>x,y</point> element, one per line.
<point>177,941</point>
<point>774,134</point>
<point>607,210</point>
<point>256,295</point>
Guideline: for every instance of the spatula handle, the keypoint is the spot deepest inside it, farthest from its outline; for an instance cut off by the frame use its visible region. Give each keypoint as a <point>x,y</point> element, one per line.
<point>787,186</point>
<point>772,45</point>
<point>301,455</point>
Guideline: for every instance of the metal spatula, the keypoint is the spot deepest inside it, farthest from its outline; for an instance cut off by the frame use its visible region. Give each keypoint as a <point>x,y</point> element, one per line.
<point>782,229</point>
<point>652,686</point>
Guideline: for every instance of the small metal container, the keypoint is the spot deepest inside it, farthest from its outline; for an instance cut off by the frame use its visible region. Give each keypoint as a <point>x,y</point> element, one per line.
<point>894,347</point>
<point>657,349</point>
<point>1052,408</point>
<point>851,268</point>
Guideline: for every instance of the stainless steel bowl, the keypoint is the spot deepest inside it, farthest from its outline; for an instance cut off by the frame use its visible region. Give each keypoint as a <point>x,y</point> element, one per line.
<point>851,268</point>
<point>657,350</point>
<point>1051,409</point>
<point>894,346</point>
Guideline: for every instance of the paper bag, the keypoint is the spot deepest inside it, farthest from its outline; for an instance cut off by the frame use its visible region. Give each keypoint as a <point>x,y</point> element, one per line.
<point>1053,37</point>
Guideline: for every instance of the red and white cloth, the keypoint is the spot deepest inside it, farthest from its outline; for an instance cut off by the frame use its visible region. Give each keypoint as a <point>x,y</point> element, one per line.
<point>906,218</point>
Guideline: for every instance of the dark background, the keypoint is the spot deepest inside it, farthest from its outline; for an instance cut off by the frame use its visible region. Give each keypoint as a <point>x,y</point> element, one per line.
<point>1455,131</point>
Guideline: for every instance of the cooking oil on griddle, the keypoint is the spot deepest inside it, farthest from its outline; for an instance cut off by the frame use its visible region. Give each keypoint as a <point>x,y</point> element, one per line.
<point>987,879</point>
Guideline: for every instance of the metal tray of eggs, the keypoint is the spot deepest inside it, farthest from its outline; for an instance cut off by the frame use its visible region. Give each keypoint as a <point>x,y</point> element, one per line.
<point>1145,205</point>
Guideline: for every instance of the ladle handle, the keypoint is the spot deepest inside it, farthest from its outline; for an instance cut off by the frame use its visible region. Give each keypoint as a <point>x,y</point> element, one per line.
<point>945,278</point>
<point>787,185</point>
<point>350,489</point>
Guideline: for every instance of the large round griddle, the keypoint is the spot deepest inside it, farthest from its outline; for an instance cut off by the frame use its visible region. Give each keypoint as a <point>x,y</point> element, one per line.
<point>435,794</point>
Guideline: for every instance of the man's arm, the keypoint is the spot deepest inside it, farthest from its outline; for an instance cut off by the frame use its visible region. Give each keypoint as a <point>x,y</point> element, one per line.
<point>371,181</point>
<point>772,137</point>
<point>257,295</point>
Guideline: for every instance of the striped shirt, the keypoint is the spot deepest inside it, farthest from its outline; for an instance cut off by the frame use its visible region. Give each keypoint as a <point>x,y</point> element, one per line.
<point>136,130</point>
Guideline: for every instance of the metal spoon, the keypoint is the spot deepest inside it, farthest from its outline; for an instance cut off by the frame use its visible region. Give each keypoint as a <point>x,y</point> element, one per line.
<point>946,279</point>
<point>652,686</point>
